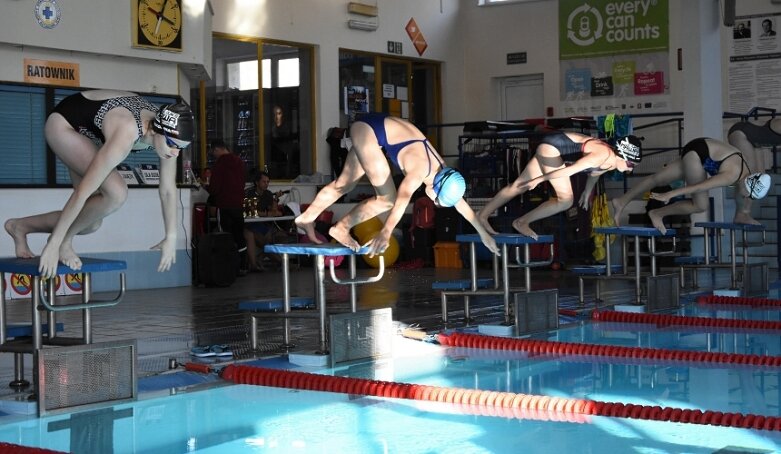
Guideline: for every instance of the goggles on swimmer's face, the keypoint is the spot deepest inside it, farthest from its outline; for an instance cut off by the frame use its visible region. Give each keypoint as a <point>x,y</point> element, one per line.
<point>175,143</point>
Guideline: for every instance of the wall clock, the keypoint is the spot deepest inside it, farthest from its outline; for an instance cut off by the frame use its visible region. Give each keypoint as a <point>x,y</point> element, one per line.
<point>157,24</point>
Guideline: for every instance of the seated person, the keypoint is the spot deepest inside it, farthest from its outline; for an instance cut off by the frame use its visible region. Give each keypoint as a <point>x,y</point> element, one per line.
<point>704,164</point>
<point>585,153</point>
<point>259,234</point>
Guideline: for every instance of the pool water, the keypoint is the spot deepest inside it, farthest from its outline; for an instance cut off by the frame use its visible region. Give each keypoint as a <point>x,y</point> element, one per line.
<point>247,419</point>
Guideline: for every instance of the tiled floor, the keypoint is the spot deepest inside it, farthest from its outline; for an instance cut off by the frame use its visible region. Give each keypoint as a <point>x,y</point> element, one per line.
<point>167,322</point>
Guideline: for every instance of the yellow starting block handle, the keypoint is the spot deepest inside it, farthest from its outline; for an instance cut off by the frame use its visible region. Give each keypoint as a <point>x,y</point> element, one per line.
<point>80,306</point>
<point>380,272</point>
<point>534,264</point>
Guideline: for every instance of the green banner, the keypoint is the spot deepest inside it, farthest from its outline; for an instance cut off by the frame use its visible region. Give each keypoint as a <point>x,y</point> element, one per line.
<point>603,27</point>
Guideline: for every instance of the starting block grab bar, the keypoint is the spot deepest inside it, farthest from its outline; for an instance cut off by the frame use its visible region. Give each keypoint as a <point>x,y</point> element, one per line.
<point>380,273</point>
<point>47,298</point>
<point>521,264</point>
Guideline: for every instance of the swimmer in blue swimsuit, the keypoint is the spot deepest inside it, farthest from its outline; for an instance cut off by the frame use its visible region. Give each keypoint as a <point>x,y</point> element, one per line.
<point>699,158</point>
<point>92,132</point>
<point>375,137</point>
<point>549,163</point>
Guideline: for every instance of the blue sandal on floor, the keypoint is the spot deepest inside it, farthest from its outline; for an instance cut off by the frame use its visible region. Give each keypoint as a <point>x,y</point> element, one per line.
<point>221,350</point>
<point>202,352</point>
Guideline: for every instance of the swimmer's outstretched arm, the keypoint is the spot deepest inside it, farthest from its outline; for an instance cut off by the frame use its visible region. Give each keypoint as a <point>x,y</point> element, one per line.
<point>564,172</point>
<point>719,180</point>
<point>167,192</point>
<point>466,211</point>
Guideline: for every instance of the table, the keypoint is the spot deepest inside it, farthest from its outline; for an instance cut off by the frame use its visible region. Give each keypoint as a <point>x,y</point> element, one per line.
<point>650,233</point>
<point>732,228</point>
<point>320,251</point>
<point>505,241</point>
<point>251,220</point>
<point>44,299</point>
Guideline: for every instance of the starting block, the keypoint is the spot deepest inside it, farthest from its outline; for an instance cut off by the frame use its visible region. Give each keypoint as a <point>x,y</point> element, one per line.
<point>43,298</point>
<point>322,355</point>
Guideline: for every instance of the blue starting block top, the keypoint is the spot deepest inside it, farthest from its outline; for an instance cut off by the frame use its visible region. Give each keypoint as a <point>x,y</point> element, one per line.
<point>462,284</point>
<point>276,304</point>
<point>595,270</point>
<point>634,231</point>
<point>730,226</point>
<point>25,330</point>
<point>327,249</point>
<point>88,265</point>
<point>505,238</point>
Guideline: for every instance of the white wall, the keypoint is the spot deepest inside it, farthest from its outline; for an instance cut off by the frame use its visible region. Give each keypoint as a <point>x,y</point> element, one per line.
<point>323,23</point>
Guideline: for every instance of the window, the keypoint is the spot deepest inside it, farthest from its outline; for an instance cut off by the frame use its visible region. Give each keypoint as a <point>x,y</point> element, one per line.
<point>261,109</point>
<point>24,151</point>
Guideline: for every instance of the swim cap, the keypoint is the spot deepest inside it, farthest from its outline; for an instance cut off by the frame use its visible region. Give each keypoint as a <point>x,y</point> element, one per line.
<point>629,148</point>
<point>449,186</point>
<point>757,185</point>
<point>175,121</point>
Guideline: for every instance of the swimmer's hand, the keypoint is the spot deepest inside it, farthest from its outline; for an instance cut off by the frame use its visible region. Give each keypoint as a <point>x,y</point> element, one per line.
<point>489,242</point>
<point>167,247</point>
<point>378,244</point>
<point>661,196</point>
<point>50,259</point>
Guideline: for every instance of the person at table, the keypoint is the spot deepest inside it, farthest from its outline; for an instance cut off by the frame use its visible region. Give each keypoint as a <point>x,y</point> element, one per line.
<point>226,192</point>
<point>92,132</point>
<point>376,137</point>
<point>550,163</point>
<point>259,234</point>
<point>703,164</point>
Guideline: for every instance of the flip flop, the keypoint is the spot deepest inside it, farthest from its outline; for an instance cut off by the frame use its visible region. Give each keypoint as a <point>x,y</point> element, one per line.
<point>220,350</point>
<point>202,352</point>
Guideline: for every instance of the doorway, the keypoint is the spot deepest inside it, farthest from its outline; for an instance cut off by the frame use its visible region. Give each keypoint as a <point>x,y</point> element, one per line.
<point>521,97</point>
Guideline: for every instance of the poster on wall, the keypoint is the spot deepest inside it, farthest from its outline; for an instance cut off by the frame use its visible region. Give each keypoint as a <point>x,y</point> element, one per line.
<point>614,57</point>
<point>755,63</point>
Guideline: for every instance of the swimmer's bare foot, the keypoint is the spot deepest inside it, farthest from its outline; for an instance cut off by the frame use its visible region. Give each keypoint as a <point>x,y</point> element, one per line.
<point>486,225</point>
<point>618,207</point>
<point>657,221</point>
<point>309,228</point>
<point>523,229</point>
<point>20,239</point>
<point>343,236</point>
<point>68,257</point>
<point>744,218</point>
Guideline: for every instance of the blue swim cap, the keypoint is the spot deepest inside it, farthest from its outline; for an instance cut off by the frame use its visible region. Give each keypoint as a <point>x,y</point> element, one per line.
<point>449,186</point>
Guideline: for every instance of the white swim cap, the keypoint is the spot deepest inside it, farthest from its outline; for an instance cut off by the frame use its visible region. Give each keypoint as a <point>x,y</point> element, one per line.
<point>757,185</point>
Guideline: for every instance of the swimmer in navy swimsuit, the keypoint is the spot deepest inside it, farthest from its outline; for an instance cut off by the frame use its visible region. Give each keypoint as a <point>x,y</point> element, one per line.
<point>699,159</point>
<point>555,150</point>
<point>92,132</point>
<point>375,137</point>
<point>753,141</point>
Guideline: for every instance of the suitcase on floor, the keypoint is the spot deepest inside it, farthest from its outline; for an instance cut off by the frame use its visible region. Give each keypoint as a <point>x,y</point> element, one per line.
<point>217,259</point>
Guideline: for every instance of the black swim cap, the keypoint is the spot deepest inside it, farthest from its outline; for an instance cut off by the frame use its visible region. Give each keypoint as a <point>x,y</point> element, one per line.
<point>629,148</point>
<point>175,121</point>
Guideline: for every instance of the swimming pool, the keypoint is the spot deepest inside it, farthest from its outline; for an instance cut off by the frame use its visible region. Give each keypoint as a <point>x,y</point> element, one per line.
<point>247,418</point>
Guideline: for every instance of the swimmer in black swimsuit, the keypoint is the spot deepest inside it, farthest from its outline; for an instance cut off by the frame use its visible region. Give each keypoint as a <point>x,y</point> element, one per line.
<point>92,132</point>
<point>371,139</point>
<point>585,153</point>
<point>753,140</point>
<point>699,158</point>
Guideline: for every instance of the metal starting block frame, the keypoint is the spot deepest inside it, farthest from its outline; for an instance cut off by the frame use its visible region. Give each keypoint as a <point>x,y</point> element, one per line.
<point>536,311</point>
<point>43,300</point>
<point>751,278</point>
<point>362,335</point>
